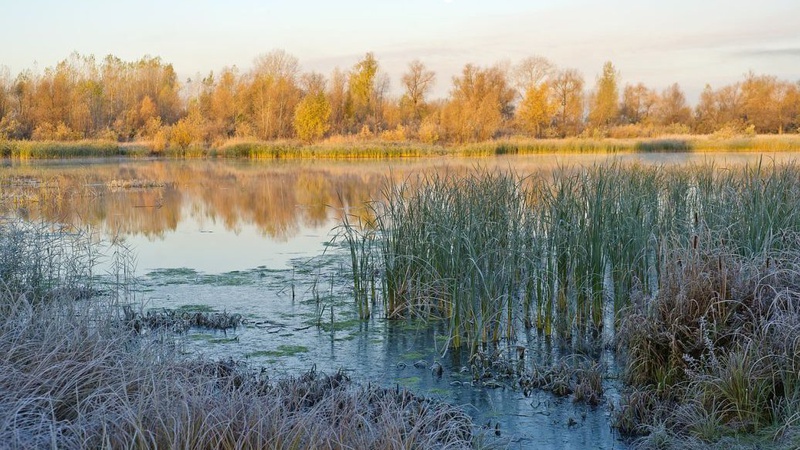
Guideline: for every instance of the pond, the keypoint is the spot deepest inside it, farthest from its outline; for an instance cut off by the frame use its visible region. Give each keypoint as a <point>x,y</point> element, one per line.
<point>260,240</point>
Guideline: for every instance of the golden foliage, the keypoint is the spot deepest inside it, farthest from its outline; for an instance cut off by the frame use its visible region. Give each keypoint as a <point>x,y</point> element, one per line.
<point>84,98</point>
<point>311,117</point>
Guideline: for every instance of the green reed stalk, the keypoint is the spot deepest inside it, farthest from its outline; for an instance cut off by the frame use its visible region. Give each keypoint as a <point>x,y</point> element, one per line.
<point>489,250</point>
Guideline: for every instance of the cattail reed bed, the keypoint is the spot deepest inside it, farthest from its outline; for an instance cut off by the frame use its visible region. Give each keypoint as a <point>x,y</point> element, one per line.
<point>576,251</point>
<point>74,373</point>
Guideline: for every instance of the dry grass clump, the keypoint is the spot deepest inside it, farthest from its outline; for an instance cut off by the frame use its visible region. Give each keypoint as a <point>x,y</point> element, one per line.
<point>68,380</point>
<point>578,376</point>
<point>716,353</point>
<point>178,321</point>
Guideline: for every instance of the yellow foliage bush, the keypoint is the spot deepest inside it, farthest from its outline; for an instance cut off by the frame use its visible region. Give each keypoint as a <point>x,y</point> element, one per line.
<point>429,131</point>
<point>399,134</point>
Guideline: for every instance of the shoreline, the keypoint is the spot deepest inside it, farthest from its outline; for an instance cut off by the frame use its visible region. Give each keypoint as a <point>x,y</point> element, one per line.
<point>379,149</point>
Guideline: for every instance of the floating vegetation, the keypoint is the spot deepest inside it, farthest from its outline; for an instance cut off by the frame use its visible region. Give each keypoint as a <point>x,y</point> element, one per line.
<point>338,325</point>
<point>193,308</point>
<point>179,320</point>
<point>281,351</point>
<point>577,376</point>
<point>183,275</point>
<point>168,276</point>
<point>224,340</point>
<point>127,184</point>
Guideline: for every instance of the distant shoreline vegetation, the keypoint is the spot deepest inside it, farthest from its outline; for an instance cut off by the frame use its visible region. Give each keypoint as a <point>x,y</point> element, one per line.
<point>276,107</point>
<point>379,149</point>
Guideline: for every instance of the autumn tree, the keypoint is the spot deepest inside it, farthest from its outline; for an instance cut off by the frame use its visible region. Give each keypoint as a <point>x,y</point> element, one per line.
<point>188,131</point>
<point>719,109</point>
<point>366,94</point>
<point>10,127</point>
<point>114,75</point>
<point>531,72</point>
<point>729,104</point>
<point>87,98</point>
<point>671,108</point>
<point>337,99</point>
<point>123,87</point>
<point>22,123</point>
<point>531,79</point>
<point>604,101</point>
<point>221,102</point>
<point>5,98</point>
<point>480,102</point>
<point>417,81</point>
<point>789,108</point>
<point>638,104</point>
<point>311,118</point>
<point>706,114</point>
<point>50,101</point>
<point>273,94</point>
<point>535,111</point>
<point>567,98</point>
<point>770,105</point>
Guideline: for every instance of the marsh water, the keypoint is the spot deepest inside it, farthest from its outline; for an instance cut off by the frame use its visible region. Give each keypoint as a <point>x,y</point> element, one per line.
<point>260,239</point>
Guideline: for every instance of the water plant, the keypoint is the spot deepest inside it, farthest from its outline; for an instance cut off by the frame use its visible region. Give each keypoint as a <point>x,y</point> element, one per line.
<point>490,250</point>
<point>360,239</point>
<point>694,268</point>
<point>41,262</point>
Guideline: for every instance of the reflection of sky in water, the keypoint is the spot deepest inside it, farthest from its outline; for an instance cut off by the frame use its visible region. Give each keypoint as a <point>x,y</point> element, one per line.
<point>209,246</point>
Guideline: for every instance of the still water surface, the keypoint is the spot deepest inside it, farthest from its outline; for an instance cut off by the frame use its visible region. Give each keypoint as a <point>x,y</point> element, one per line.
<point>259,239</point>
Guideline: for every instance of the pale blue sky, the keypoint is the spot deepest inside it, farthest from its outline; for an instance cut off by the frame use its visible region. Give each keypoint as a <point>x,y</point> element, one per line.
<point>656,42</point>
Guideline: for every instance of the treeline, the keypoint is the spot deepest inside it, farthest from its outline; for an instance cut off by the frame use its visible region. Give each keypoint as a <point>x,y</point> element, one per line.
<point>82,98</point>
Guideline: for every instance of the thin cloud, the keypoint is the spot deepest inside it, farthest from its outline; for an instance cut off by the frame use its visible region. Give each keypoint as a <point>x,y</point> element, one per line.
<point>769,52</point>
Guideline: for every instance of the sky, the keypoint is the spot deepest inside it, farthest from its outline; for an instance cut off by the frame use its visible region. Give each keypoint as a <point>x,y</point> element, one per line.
<point>691,42</point>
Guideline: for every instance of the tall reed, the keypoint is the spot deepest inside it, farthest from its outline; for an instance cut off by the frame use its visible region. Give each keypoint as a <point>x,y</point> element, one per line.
<point>40,262</point>
<point>490,251</point>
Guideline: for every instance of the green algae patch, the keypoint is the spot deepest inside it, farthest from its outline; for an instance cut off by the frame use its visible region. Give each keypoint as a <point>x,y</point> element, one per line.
<point>413,356</point>
<point>193,307</point>
<point>200,337</point>
<point>223,340</point>
<point>234,278</point>
<point>408,381</point>
<point>281,351</point>
<point>339,325</point>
